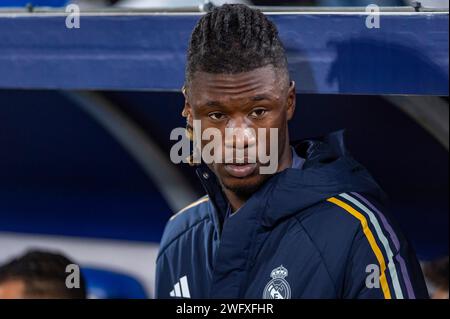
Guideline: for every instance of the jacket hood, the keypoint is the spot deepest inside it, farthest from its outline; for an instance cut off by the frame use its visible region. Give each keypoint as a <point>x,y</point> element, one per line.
<point>328,171</point>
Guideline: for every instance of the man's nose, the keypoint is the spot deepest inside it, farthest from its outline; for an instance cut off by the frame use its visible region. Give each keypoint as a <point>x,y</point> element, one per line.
<point>238,134</point>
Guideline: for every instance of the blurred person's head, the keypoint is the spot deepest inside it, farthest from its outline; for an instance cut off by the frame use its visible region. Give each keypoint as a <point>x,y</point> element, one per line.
<point>38,275</point>
<point>436,273</point>
<point>237,78</point>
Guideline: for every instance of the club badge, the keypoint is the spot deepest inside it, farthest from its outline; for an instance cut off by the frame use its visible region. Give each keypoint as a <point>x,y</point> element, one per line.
<point>278,287</point>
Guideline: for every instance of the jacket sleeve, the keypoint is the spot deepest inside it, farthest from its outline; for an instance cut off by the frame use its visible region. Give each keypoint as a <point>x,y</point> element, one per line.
<point>381,263</point>
<point>163,280</point>
<point>371,274</point>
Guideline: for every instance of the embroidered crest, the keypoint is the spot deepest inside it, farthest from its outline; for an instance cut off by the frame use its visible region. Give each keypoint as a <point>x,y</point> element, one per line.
<point>278,287</point>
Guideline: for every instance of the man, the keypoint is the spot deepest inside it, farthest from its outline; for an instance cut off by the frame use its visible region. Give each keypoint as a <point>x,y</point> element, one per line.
<point>38,275</point>
<point>313,229</point>
<point>436,276</point>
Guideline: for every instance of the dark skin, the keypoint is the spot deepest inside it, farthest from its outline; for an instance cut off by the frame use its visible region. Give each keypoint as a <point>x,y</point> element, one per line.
<point>261,98</point>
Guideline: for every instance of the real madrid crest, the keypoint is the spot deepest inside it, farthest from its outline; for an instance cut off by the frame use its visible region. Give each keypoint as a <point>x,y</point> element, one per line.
<point>278,287</point>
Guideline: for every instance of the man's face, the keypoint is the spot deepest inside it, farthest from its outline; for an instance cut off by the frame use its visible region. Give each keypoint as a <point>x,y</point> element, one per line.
<point>12,289</point>
<point>261,98</point>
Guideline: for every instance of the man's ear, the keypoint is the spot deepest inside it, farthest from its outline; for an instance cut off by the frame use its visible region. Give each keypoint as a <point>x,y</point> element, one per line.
<point>291,101</point>
<point>187,110</point>
<point>187,113</point>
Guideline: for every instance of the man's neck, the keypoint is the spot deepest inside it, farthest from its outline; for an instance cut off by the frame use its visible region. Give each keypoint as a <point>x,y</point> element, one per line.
<point>237,202</point>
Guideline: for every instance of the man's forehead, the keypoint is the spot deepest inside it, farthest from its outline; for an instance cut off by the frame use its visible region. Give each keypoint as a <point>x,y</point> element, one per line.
<point>257,84</point>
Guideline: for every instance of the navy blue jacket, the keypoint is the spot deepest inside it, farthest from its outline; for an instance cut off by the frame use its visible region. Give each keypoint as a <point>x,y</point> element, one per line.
<point>316,232</point>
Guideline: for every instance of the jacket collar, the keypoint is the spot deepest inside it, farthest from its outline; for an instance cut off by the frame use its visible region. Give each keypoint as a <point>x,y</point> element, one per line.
<point>328,171</point>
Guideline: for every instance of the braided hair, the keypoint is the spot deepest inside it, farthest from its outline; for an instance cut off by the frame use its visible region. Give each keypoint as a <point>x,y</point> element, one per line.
<point>231,39</point>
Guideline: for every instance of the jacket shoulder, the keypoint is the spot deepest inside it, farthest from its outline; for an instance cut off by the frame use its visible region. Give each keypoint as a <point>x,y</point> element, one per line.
<point>326,217</point>
<point>184,220</point>
<point>332,229</point>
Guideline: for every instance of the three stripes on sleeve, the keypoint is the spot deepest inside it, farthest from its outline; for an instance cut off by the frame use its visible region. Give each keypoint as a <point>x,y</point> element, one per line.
<point>377,230</point>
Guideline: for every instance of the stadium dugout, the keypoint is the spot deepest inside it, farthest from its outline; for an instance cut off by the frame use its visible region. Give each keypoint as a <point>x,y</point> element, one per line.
<point>86,115</point>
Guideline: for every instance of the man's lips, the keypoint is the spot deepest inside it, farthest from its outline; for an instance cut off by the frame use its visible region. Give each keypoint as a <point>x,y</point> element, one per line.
<point>240,170</point>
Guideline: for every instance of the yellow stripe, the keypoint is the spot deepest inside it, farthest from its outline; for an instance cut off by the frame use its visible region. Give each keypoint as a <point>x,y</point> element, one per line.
<point>198,202</point>
<point>372,242</point>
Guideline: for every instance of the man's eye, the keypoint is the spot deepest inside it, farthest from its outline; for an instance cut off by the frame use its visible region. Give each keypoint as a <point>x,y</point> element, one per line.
<point>256,113</point>
<point>216,116</point>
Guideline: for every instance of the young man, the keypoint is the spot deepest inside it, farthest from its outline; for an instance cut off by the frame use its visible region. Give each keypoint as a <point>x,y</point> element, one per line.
<point>315,228</point>
<point>38,275</point>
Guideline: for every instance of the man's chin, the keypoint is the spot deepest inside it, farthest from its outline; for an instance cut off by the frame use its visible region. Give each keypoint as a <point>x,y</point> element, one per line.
<point>244,187</point>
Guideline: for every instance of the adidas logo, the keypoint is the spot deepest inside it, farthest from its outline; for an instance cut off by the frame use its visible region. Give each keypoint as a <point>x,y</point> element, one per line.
<point>181,289</point>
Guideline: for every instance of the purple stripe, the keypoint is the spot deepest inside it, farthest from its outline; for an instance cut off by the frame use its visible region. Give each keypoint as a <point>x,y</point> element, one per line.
<point>394,239</point>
